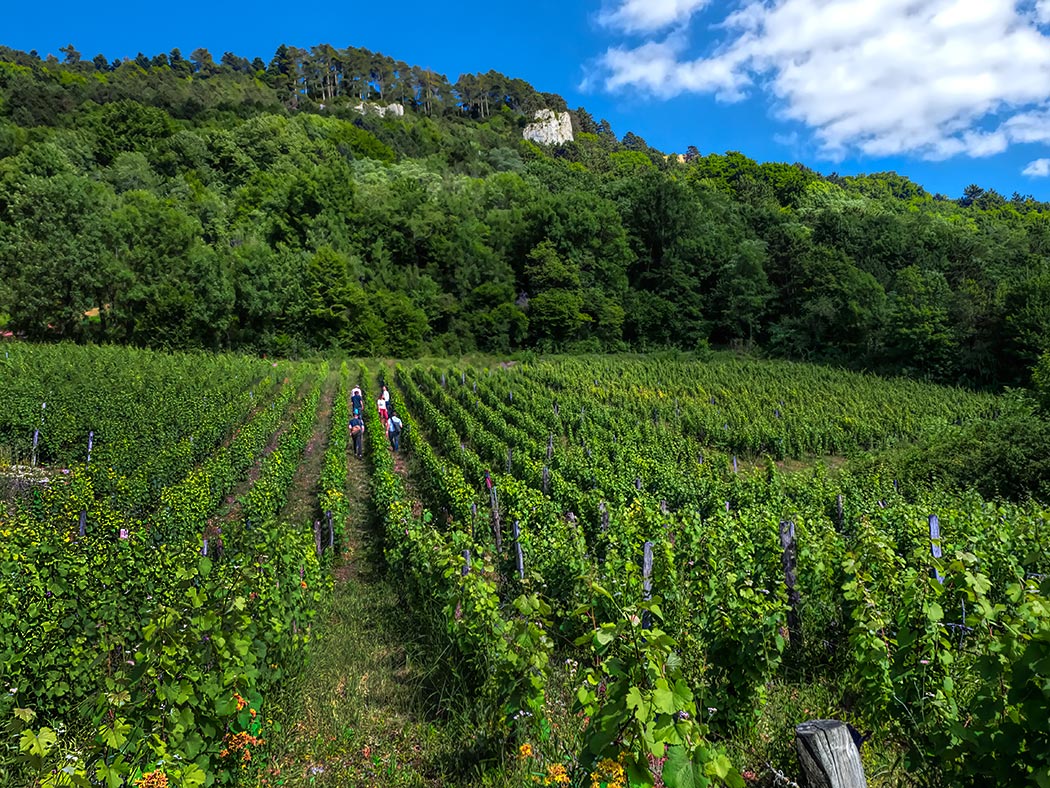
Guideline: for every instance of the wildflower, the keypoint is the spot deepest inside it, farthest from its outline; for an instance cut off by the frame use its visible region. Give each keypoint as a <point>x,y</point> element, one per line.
<point>302,584</point>
<point>241,702</point>
<point>609,773</point>
<point>153,780</point>
<point>525,751</point>
<point>556,775</point>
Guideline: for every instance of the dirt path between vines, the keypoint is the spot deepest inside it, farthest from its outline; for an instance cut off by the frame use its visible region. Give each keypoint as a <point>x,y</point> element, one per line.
<point>301,504</point>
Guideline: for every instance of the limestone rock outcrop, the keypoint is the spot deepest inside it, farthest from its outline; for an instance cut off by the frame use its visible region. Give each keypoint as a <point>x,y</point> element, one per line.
<point>394,110</point>
<point>550,128</point>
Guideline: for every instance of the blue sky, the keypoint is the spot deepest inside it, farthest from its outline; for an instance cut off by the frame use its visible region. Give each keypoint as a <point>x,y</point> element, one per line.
<point>946,92</point>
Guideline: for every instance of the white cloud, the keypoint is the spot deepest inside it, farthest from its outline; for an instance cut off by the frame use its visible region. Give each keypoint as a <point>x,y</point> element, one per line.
<point>1040,168</point>
<point>647,16</point>
<point>937,78</point>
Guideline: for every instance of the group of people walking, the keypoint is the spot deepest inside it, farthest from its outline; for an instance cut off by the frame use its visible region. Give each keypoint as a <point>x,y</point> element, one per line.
<point>392,424</point>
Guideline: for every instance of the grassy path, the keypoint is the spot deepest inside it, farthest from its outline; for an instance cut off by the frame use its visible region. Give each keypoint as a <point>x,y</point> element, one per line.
<point>356,717</point>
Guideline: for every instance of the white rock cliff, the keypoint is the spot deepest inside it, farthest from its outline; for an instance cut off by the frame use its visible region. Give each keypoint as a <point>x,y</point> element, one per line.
<point>395,110</point>
<point>550,128</point>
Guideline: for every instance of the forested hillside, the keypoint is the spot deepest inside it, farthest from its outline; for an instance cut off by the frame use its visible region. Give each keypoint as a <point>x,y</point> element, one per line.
<point>187,203</point>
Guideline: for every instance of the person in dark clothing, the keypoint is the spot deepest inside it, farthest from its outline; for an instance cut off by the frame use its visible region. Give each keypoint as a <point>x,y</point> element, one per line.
<point>357,432</point>
<point>357,401</point>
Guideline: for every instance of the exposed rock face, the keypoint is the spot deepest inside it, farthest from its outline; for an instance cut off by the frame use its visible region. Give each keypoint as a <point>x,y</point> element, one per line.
<point>394,110</point>
<point>550,128</point>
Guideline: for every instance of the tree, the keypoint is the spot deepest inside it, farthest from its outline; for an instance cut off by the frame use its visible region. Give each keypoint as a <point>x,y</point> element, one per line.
<point>72,56</point>
<point>54,255</point>
<point>919,334</point>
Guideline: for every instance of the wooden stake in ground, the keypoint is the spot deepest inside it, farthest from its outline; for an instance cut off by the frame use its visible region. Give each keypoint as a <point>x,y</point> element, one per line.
<point>828,755</point>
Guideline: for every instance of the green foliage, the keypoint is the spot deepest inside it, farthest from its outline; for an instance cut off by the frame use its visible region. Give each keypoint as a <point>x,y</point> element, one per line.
<point>640,705</point>
<point>195,197</point>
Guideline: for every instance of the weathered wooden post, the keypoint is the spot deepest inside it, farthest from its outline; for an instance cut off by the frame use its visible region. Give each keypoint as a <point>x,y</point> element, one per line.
<point>463,378</point>
<point>638,483</point>
<point>444,382</point>
<point>204,546</point>
<point>83,522</point>
<point>466,563</point>
<point>550,447</point>
<point>473,521</point>
<point>494,502</point>
<point>510,459</point>
<point>331,530</point>
<point>317,536</point>
<point>546,480</point>
<point>735,468</point>
<point>935,545</point>
<point>663,507</point>
<point>555,407</point>
<point>790,560</point>
<point>603,510</point>
<point>36,440</point>
<point>517,549</point>
<point>841,514</point>
<point>510,396</point>
<point>91,443</point>
<point>828,755</point>
<point>647,581</point>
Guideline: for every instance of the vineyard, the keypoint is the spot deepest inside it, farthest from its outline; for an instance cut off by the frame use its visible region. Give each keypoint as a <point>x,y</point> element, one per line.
<point>624,568</point>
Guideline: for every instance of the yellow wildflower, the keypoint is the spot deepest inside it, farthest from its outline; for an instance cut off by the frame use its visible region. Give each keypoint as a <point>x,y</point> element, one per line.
<point>608,774</point>
<point>556,775</point>
<point>525,751</point>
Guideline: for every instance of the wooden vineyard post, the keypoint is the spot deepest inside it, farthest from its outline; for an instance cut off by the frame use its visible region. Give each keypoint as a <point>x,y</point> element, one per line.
<point>735,468</point>
<point>647,581</point>
<point>638,483</point>
<point>550,447</point>
<point>840,515</point>
<point>935,545</point>
<point>466,563</point>
<point>603,509</point>
<point>317,536</point>
<point>473,521</point>
<point>91,443</point>
<point>510,459</point>
<point>663,507</point>
<point>789,560</point>
<point>36,441</point>
<point>828,755</point>
<point>463,378</point>
<point>546,480</point>
<point>494,503</point>
<point>331,530</point>
<point>520,557</point>
<point>83,522</point>
<point>555,407</point>
<point>204,546</point>
<point>444,381</point>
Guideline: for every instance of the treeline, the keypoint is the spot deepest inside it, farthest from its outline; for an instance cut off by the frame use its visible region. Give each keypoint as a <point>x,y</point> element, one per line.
<point>186,203</point>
